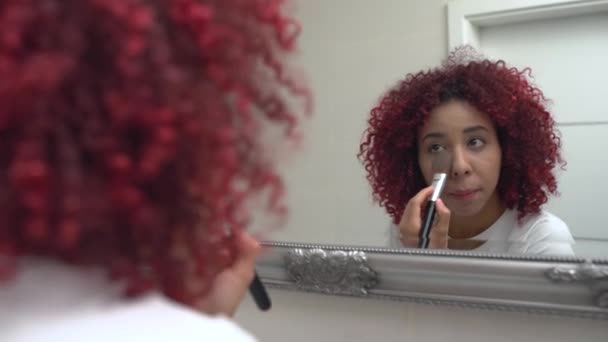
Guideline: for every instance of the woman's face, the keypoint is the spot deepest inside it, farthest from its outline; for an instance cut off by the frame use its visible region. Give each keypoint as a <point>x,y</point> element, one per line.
<point>469,137</point>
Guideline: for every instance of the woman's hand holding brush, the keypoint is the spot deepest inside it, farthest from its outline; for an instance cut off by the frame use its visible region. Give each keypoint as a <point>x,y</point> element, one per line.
<point>411,221</point>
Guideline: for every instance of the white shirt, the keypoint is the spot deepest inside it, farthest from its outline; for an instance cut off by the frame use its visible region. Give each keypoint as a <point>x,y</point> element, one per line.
<point>49,302</point>
<point>537,234</point>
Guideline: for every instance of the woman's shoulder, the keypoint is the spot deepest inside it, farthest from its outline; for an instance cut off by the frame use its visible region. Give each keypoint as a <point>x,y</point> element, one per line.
<point>158,319</point>
<point>543,233</point>
<point>545,224</point>
<point>150,319</point>
<point>53,302</point>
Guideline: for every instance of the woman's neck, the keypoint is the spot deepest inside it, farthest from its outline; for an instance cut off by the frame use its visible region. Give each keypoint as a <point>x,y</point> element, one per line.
<point>466,227</point>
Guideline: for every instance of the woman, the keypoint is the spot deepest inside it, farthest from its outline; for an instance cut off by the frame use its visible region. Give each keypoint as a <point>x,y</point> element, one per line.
<point>502,146</point>
<point>129,149</point>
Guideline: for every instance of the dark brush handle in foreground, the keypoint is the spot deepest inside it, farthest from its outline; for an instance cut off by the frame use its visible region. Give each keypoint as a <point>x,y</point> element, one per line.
<point>259,294</point>
<point>427,223</point>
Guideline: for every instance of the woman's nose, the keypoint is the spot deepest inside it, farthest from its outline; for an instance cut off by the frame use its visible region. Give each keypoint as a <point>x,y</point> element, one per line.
<point>460,163</point>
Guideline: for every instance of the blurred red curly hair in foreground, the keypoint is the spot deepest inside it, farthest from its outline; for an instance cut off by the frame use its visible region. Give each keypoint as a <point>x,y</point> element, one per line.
<point>530,144</point>
<point>130,132</point>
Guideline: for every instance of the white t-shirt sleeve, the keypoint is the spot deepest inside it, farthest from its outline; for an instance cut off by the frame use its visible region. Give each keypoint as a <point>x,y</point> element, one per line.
<point>549,235</point>
<point>151,321</point>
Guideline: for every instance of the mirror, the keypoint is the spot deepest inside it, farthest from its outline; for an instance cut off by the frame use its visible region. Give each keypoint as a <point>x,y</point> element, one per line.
<point>354,52</point>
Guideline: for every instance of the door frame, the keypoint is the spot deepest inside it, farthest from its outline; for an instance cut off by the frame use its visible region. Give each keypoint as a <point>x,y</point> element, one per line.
<point>467,17</point>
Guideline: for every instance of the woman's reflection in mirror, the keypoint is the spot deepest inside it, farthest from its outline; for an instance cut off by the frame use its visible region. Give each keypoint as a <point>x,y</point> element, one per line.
<point>504,147</point>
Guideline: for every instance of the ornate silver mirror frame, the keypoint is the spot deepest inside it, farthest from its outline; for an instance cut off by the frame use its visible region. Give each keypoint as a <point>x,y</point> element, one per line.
<point>573,287</point>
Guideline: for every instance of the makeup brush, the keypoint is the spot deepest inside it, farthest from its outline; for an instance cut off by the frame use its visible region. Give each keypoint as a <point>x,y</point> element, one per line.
<point>259,294</point>
<point>440,166</point>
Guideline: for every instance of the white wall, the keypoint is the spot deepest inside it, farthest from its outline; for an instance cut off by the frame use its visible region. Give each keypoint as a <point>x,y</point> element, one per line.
<point>302,317</point>
<point>353,51</point>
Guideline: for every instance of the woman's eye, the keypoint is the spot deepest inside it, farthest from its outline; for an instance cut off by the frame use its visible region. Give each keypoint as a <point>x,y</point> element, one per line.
<point>434,148</point>
<point>476,142</point>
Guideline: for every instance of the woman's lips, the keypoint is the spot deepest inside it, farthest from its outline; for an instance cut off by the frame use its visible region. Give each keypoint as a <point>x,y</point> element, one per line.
<point>464,195</point>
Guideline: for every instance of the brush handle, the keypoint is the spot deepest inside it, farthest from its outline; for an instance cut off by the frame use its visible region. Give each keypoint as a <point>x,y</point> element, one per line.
<point>259,294</point>
<point>427,224</point>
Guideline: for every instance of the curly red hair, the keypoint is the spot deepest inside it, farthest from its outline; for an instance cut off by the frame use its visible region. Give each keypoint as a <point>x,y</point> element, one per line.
<point>130,132</point>
<point>530,143</point>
